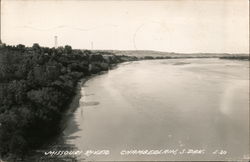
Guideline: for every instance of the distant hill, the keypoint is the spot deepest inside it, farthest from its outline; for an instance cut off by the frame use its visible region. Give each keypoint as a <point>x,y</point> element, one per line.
<point>143,53</point>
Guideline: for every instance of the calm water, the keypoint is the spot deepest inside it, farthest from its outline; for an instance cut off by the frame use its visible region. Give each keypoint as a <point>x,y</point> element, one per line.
<point>199,104</point>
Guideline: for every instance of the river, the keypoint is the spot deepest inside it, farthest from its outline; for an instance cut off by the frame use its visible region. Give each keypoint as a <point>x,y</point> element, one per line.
<point>174,105</point>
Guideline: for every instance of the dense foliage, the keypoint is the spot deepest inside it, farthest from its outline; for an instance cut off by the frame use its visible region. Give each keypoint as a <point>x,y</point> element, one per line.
<point>36,85</point>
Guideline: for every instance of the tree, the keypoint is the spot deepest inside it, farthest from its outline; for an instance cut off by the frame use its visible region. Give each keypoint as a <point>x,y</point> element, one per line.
<point>87,52</point>
<point>21,47</point>
<point>68,49</point>
<point>36,46</point>
<point>60,50</point>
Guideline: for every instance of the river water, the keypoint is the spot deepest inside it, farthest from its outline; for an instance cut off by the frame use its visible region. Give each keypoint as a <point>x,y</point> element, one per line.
<point>174,105</point>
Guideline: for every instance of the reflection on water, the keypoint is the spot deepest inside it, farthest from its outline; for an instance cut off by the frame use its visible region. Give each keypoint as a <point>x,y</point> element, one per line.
<point>165,104</point>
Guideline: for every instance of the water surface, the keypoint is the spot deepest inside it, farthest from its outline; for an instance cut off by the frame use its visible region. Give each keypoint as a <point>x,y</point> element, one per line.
<point>179,104</point>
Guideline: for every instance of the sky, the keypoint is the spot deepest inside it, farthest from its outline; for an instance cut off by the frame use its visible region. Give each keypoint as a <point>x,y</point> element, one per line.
<point>187,26</point>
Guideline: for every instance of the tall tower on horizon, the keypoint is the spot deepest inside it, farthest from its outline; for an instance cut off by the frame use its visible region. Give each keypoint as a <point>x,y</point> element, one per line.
<point>56,41</point>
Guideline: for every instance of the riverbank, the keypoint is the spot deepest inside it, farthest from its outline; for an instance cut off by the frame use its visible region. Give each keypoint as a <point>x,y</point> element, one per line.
<point>37,85</point>
<point>57,143</point>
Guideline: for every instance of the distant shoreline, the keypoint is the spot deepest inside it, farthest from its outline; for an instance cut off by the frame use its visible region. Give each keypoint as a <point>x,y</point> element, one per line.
<point>173,54</point>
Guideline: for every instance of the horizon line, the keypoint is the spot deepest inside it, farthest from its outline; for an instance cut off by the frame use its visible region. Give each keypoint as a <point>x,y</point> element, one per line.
<point>123,50</point>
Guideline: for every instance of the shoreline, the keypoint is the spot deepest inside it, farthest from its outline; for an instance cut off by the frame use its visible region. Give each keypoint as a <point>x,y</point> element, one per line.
<point>74,104</point>
<point>57,142</point>
<point>42,90</point>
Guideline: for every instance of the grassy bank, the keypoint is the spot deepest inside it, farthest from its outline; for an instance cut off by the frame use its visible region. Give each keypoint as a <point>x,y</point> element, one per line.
<point>36,86</point>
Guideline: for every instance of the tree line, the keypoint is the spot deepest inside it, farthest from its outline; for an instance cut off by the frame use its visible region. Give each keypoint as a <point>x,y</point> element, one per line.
<point>35,85</point>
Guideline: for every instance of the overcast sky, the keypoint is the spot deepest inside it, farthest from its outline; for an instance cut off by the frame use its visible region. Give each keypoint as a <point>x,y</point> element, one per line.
<point>171,25</point>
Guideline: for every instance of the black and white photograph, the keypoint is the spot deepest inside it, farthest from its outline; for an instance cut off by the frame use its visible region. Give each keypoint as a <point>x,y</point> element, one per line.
<point>124,80</point>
